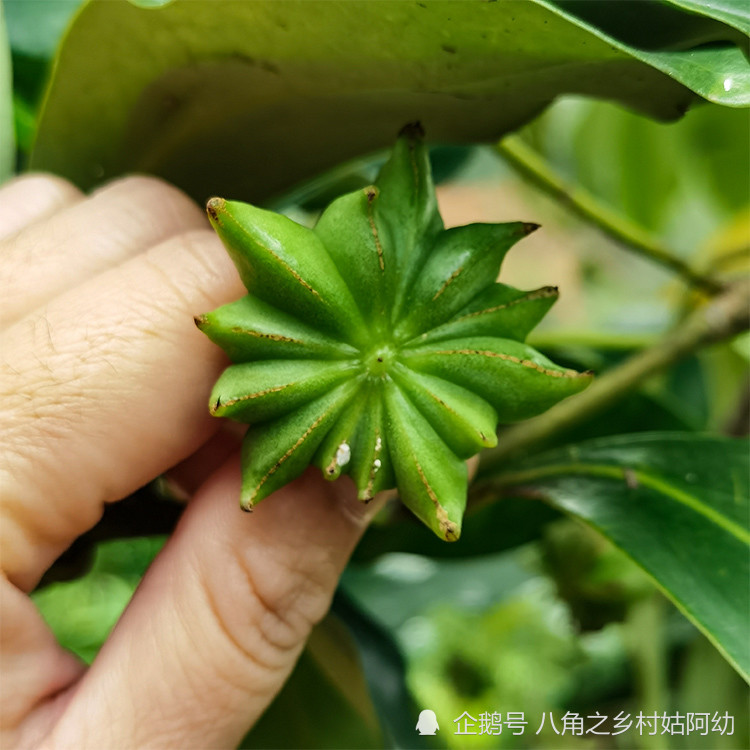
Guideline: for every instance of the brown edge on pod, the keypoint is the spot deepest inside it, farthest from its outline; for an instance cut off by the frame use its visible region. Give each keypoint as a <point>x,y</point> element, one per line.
<point>213,207</point>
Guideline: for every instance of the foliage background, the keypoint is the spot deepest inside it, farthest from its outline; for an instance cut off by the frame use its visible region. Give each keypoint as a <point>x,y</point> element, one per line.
<point>533,611</point>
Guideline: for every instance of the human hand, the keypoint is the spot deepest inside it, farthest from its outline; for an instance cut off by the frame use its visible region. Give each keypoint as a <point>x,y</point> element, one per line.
<point>104,384</point>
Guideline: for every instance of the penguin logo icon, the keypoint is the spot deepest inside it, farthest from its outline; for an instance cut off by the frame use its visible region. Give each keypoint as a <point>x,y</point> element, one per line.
<point>428,723</point>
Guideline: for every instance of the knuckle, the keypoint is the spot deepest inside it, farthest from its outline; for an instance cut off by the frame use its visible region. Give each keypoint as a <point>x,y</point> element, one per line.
<point>155,192</point>
<point>48,187</point>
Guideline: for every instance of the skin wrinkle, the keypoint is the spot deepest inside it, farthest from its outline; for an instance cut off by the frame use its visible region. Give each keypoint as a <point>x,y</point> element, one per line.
<point>127,225</point>
<point>274,620</point>
<point>52,421</point>
<point>208,278</point>
<point>79,400</point>
<point>246,653</point>
<point>173,289</point>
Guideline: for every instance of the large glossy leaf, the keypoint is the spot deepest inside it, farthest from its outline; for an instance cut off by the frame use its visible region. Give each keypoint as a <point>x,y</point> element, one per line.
<point>311,712</point>
<point>246,99</point>
<point>326,702</point>
<point>7,143</point>
<point>676,503</point>
<point>732,12</point>
<point>384,669</point>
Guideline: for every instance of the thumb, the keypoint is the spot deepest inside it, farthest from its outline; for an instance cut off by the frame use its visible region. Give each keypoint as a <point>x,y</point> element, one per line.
<point>220,618</point>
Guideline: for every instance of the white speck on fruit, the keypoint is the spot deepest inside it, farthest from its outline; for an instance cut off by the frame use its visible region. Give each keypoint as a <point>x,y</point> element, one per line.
<point>727,84</point>
<point>376,465</point>
<point>378,446</point>
<point>343,454</point>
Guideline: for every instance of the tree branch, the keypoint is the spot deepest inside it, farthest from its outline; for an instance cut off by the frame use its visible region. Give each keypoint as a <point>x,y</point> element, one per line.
<point>584,204</point>
<point>723,317</point>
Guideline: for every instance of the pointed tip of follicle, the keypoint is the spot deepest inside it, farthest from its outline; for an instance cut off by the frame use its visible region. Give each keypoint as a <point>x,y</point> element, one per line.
<point>200,320</point>
<point>545,292</point>
<point>247,500</point>
<point>451,532</point>
<point>529,227</point>
<point>214,207</point>
<point>412,130</point>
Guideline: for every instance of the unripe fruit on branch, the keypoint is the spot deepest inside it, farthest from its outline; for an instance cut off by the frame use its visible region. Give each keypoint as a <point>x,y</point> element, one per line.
<point>377,344</point>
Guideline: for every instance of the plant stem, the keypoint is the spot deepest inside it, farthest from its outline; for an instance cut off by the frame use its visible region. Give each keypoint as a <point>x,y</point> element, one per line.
<point>645,638</point>
<point>619,342</point>
<point>579,200</point>
<point>723,317</point>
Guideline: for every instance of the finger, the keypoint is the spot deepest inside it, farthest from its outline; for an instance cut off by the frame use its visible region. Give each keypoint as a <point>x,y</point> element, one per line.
<point>32,659</point>
<point>118,222</point>
<point>220,619</point>
<point>31,197</point>
<point>184,479</point>
<point>104,389</point>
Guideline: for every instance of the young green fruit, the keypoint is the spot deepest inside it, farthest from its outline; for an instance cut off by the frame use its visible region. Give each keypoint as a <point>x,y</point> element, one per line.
<point>377,344</point>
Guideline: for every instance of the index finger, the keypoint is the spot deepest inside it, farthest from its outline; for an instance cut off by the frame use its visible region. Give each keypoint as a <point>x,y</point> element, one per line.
<point>103,389</point>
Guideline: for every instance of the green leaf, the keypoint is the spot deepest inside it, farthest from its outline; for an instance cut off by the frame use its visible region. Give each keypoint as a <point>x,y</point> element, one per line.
<point>385,671</point>
<point>82,612</point>
<point>7,140</point>
<point>734,13</point>
<point>34,32</point>
<point>701,52</point>
<point>244,99</point>
<point>674,502</point>
<point>325,703</point>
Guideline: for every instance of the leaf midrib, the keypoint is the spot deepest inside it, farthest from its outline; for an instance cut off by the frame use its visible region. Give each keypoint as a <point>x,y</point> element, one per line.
<point>624,473</point>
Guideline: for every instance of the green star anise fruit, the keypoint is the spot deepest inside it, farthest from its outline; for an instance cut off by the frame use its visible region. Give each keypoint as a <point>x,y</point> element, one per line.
<point>377,344</point>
